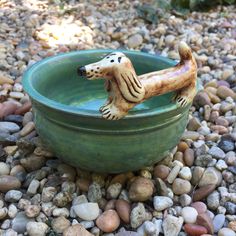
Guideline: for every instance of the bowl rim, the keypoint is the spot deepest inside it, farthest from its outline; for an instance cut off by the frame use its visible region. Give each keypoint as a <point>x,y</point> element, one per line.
<point>39,98</point>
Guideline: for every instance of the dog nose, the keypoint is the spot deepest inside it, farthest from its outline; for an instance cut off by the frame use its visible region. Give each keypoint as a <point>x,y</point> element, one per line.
<point>81,71</point>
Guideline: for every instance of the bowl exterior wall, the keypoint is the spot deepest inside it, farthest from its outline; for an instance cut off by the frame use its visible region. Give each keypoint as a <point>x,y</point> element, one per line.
<point>110,152</point>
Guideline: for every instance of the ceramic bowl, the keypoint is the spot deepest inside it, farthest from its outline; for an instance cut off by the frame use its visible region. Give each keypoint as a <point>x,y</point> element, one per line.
<point>67,117</point>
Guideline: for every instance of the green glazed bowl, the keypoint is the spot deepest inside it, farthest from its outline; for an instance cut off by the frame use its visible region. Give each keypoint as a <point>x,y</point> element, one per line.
<point>68,120</point>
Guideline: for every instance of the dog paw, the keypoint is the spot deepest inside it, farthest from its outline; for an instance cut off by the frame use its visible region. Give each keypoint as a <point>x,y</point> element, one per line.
<point>110,112</point>
<point>182,101</point>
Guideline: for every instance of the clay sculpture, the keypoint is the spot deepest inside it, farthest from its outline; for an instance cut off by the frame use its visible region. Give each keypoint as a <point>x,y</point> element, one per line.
<point>126,89</point>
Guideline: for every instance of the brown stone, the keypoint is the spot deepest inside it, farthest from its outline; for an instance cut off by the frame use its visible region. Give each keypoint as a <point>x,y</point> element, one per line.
<point>83,184</point>
<point>141,189</point>
<point>76,230</point>
<point>179,157</point>
<point>181,186</point>
<point>8,182</point>
<point>182,146</point>
<point>201,99</point>
<point>219,129</point>
<point>222,121</point>
<point>200,207</point>
<point>108,221</point>
<point>189,157</point>
<point>29,127</point>
<point>110,205</point>
<point>23,109</point>
<point>205,220</point>
<point>194,230</point>
<point>203,192</point>
<point>121,178</point>
<point>161,171</point>
<point>123,209</point>
<point>224,92</point>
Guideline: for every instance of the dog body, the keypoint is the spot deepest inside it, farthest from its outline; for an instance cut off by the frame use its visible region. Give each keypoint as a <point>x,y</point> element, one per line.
<point>126,89</point>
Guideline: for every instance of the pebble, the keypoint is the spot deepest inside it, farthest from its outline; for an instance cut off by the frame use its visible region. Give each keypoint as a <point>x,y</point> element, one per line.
<point>185,173</point>
<point>173,174</point>
<point>216,152</point>
<point>141,189</point>
<point>9,126</point>
<point>161,203</point>
<point>4,169</point>
<point>172,225</point>
<point>213,200</point>
<point>12,211</point>
<point>218,222</point>
<point>60,224</point>
<point>185,200</point>
<point>87,211</point>
<point>194,230</point>
<point>33,187</point>
<point>138,215</point>
<point>29,127</point>
<point>32,211</point>
<point>114,190</point>
<point>224,92</point>
<point>230,208</point>
<point>161,171</point>
<point>135,40</point>
<point>189,215</point>
<point>36,228</point>
<point>19,222</point>
<point>210,176</point>
<point>3,213</point>
<point>204,220</point>
<point>108,221</point>
<point>76,230</point>
<point>94,192</point>
<point>203,192</point>
<point>8,182</point>
<point>200,207</point>
<point>13,196</point>
<point>123,209</point>
<point>226,232</point>
<point>181,186</point>
<point>189,157</point>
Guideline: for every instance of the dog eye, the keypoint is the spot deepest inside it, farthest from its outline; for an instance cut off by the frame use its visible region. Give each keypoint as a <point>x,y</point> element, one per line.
<point>107,57</point>
<point>97,68</point>
<point>112,61</point>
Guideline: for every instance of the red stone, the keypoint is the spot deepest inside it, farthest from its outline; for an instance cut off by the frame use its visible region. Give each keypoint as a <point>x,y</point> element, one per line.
<point>194,230</point>
<point>23,109</point>
<point>200,207</point>
<point>205,220</point>
<point>7,108</point>
<point>203,192</point>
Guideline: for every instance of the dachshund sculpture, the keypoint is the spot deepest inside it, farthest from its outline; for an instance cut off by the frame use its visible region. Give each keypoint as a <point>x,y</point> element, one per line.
<point>126,89</point>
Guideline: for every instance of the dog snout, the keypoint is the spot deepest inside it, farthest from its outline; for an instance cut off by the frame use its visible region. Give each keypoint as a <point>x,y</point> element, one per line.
<point>81,71</point>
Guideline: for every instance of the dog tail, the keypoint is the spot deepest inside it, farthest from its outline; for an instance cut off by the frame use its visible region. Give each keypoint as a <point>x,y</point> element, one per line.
<point>185,52</point>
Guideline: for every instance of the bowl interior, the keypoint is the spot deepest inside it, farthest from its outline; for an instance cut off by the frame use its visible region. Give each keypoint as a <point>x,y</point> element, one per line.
<point>57,80</point>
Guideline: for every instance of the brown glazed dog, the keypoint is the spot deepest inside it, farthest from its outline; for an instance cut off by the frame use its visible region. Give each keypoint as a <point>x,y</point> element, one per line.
<point>126,89</point>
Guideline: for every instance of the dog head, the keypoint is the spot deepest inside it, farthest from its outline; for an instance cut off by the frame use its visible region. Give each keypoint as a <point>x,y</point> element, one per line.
<point>119,68</point>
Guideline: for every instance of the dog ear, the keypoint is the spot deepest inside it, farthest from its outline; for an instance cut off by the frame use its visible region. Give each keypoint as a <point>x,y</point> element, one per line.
<point>129,85</point>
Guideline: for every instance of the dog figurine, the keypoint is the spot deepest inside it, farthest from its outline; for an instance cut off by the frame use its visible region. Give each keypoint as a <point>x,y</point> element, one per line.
<point>126,89</point>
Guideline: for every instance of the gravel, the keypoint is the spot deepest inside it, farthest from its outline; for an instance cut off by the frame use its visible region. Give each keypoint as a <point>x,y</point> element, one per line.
<point>40,195</point>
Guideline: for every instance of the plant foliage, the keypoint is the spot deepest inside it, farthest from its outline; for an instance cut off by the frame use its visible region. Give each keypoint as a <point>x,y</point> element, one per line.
<point>150,12</point>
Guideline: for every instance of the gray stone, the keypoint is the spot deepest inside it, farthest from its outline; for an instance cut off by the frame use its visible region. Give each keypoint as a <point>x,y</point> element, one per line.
<point>9,126</point>
<point>13,196</point>
<point>211,176</point>
<point>203,160</point>
<point>216,152</point>
<point>161,203</point>
<point>138,216</point>
<point>135,41</point>
<point>218,222</point>
<point>94,192</point>
<point>19,222</point>
<point>36,228</point>
<point>230,208</point>
<point>213,200</point>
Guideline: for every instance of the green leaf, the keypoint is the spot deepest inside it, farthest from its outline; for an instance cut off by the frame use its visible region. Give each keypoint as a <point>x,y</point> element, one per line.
<point>181,6</point>
<point>229,1</point>
<point>148,13</point>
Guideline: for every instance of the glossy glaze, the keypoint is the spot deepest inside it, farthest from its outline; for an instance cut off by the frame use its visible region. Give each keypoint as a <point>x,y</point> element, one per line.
<point>69,123</point>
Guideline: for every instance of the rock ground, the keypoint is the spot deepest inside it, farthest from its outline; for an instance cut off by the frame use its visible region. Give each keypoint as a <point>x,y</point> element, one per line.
<point>41,196</point>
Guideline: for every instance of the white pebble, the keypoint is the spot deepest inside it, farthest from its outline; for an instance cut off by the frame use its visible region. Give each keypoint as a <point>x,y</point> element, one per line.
<point>189,214</point>
<point>185,173</point>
